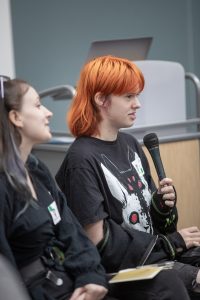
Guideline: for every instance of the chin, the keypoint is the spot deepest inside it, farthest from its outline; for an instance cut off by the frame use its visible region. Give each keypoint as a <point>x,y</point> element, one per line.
<point>47,138</point>
<point>128,125</point>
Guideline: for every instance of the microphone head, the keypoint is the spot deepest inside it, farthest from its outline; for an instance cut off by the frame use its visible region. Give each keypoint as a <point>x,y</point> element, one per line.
<point>151,140</point>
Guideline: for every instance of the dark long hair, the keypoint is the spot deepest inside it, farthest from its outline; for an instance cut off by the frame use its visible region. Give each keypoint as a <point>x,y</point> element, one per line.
<point>10,161</point>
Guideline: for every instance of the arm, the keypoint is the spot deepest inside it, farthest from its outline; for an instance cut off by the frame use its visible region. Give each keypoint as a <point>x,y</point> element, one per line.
<point>91,207</point>
<point>72,240</point>
<point>95,231</point>
<point>164,212</point>
<point>163,209</point>
<point>185,238</point>
<point>191,236</point>
<point>87,271</point>
<point>6,213</point>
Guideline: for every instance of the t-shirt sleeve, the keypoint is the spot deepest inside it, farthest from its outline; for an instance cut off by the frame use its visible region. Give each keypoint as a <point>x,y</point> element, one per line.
<point>84,196</point>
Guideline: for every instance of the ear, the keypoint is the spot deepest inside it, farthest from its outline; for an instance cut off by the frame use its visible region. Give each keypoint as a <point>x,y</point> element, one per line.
<point>99,99</point>
<point>15,118</point>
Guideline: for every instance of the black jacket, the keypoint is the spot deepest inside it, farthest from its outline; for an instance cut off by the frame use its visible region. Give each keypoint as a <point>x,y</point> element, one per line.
<point>31,235</point>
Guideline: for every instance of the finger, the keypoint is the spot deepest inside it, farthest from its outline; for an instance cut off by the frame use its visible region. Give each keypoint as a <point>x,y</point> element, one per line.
<point>192,244</point>
<point>194,234</point>
<point>194,237</point>
<point>189,244</point>
<point>170,197</point>
<point>196,244</point>
<point>167,189</point>
<point>192,241</point>
<point>81,297</point>
<point>95,294</point>
<point>166,181</point>
<point>169,203</point>
<point>193,229</point>
<point>89,296</point>
<point>77,293</point>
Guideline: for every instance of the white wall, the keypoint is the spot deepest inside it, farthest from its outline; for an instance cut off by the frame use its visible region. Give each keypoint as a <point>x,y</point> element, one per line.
<point>7,66</point>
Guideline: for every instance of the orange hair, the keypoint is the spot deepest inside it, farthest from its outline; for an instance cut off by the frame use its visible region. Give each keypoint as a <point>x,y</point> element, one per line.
<point>107,75</point>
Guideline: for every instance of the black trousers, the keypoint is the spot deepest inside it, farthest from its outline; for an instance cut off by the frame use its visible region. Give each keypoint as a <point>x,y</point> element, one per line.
<point>165,286</point>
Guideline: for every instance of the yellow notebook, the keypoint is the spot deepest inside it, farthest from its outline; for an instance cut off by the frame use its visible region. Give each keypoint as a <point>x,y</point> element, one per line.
<point>141,273</point>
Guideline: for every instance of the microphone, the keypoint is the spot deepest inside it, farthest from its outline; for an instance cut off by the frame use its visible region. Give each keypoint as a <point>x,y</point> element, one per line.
<point>152,144</point>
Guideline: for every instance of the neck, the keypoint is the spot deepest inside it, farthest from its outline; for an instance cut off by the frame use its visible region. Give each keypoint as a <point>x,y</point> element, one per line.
<point>25,150</point>
<point>106,133</point>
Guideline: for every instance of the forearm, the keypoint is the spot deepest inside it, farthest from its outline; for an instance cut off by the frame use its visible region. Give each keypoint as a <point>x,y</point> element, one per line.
<point>95,231</point>
<point>87,269</point>
<point>122,248</point>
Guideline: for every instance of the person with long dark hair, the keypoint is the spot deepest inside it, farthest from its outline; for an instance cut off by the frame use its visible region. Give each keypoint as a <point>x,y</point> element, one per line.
<point>38,233</point>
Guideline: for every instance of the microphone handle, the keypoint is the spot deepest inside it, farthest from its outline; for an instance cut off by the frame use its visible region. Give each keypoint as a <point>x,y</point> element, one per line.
<point>155,154</point>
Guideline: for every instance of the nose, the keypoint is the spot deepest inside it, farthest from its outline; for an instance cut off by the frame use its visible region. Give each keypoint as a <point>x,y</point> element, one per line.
<point>136,103</point>
<point>48,113</point>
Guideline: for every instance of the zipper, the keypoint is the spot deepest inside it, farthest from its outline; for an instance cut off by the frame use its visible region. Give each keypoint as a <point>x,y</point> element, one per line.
<point>148,251</point>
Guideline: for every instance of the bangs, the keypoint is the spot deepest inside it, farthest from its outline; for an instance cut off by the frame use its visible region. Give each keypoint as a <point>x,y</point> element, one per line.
<point>117,77</point>
<point>131,81</point>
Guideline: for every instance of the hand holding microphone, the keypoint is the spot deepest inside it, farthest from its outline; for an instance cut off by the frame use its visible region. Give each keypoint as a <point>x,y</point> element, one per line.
<point>190,235</point>
<point>165,184</point>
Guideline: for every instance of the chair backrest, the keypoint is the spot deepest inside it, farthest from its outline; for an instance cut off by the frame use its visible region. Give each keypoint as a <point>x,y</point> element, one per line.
<point>164,98</point>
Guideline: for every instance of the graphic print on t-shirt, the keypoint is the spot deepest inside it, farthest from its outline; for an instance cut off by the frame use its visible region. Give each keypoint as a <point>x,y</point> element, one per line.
<point>131,189</point>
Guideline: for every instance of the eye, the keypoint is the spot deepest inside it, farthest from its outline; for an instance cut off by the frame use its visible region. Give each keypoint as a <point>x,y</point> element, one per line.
<point>38,105</point>
<point>131,96</point>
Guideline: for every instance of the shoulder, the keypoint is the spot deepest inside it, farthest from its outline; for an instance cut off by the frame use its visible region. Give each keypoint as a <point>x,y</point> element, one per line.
<point>84,154</point>
<point>40,171</point>
<point>35,165</point>
<point>82,145</point>
<point>128,139</point>
<point>82,150</point>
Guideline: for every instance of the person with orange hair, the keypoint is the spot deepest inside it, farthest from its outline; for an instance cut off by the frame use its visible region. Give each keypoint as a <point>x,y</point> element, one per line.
<point>106,178</point>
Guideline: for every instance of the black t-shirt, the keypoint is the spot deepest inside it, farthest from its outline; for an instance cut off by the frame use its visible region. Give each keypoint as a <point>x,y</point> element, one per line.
<point>108,178</point>
<point>111,180</point>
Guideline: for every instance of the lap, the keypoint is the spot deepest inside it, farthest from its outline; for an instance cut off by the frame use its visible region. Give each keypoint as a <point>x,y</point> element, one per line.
<point>165,286</point>
<point>47,289</point>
